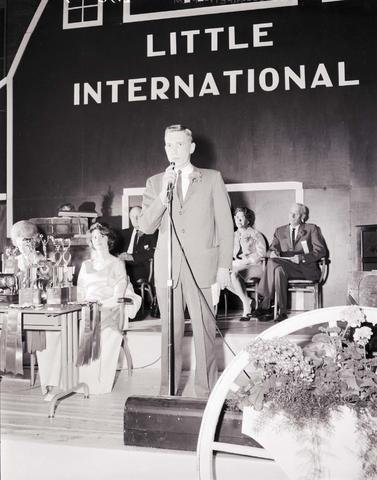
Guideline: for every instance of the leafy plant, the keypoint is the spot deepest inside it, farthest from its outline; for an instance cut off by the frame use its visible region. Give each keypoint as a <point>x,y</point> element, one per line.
<point>307,384</point>
<point>330,371</point>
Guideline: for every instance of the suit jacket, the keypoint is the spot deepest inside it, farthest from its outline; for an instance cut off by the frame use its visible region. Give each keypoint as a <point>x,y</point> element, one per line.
<point>203,223</point>
<point>143,251</point>
<point>143,248</point>
<point>309,253</point>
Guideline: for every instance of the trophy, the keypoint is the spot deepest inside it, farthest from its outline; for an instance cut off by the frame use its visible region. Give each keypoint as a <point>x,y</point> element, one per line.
<point>57,243</point>
<point>66,256</point>
<point>44,242</point>
<point>8,288</point>
<point>69,270</point>
<point>62,274</point>
<point>9,261</point>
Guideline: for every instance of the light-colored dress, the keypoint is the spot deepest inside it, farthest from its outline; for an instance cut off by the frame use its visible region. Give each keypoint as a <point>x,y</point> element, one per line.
<point>105,285</point>
<point>248,251</point>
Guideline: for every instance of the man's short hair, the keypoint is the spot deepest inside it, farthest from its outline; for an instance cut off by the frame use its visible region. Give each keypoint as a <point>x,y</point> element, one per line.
<point>304,211</point>
<point>179,128</point>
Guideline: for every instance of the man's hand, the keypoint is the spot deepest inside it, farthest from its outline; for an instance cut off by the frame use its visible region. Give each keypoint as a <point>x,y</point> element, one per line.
<point>126,257</point>
<point>223,277</point>
<point>167,179</point>
<point>274,254</point>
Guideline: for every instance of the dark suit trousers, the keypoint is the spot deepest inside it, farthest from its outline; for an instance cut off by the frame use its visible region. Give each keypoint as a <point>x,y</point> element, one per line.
<point>138,271</point>
<point>204,332</point>
<point>275,278</point>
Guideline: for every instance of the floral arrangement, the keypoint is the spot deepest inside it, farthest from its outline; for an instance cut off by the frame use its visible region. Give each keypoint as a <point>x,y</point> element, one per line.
<point>334,370</point>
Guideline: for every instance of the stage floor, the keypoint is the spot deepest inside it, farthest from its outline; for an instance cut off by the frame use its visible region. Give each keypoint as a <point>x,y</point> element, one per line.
<point>95,421</point>
<point>85,439</point>
<point>98,420</point>
<point>94,426</point>
<point>145,343</point>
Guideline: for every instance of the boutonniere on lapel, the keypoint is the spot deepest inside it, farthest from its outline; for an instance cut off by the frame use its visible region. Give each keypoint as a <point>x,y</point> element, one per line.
<point>195,176</point>
<point>146,247</point>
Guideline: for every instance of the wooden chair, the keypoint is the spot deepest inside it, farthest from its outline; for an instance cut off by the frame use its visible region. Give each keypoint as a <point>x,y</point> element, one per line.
<point>251,286</point>
<point>146,287</point>
<point>123,326</point>
<point>207,447</point>
<point>309,286</point>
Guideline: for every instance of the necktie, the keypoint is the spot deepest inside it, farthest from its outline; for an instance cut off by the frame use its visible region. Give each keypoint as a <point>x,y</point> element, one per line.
<point>293,236</point>
<point>137,236</point>
<point>179,186</point>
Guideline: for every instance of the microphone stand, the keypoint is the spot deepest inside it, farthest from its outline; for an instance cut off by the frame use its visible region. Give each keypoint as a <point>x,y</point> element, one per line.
<point>171,351</point>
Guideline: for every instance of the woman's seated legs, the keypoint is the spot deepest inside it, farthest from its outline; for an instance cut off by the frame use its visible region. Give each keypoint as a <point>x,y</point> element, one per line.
<point>237,286</point>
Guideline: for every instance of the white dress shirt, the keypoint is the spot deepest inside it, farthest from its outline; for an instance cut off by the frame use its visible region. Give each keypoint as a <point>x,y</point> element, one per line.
<point>130,248</point>
<point>185,172</point>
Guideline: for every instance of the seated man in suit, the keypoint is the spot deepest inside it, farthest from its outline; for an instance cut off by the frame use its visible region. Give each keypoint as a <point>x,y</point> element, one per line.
<point>139,249</point>
<point>294,253</point>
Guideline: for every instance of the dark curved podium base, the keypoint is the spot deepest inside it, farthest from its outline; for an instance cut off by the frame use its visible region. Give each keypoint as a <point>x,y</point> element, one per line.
<point>174,423</point>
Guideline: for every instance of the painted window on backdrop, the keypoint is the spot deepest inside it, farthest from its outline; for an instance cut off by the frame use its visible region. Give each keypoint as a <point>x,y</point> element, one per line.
<point>82,13</point>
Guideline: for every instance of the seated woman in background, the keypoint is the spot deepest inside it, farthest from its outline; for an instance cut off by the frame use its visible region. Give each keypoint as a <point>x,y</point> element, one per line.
<point>102,278</point>
<point>248,252</point>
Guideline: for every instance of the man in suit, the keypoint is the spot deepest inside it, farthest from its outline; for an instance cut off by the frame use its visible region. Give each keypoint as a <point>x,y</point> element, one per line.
<point>203,223</point>
<point>294,253</point>
<point>139,249</point>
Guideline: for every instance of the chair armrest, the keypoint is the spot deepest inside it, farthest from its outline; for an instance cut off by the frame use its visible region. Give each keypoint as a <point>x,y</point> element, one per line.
<point>126,300</point>
<point>123,301</point>
<point>323,263</point>
<point>150,270</point>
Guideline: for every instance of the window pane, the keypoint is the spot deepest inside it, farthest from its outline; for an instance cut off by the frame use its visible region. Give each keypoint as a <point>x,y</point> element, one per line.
<point>74,16</point>
<point>74,3</point>
<point>91,2</point>
<point>90,13</point>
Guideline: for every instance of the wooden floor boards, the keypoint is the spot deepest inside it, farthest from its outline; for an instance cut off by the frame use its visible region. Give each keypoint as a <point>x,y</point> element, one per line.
<point>97,420</point>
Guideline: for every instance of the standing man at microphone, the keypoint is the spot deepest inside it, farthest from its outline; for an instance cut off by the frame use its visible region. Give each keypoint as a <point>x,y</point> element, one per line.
<point>203,222</point>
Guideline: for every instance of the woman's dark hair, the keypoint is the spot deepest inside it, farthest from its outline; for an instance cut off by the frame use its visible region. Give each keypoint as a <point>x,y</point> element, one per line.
<point>105,230</point>
<point>249,214</point>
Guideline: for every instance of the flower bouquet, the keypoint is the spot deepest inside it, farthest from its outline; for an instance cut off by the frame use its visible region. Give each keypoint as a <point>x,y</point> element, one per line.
<point>314,408</point>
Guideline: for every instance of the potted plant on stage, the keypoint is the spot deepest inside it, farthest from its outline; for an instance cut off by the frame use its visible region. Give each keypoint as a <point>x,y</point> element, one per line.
<point>315,408</point>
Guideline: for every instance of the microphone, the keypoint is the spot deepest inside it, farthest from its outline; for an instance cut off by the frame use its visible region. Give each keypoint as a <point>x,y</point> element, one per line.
<point>171,184</point>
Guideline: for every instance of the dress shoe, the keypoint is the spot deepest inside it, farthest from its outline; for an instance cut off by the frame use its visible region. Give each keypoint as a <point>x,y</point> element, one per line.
<point>259,312</point>
<point>245,319</point>
<point>266,318</point>
<point>281,317</point>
